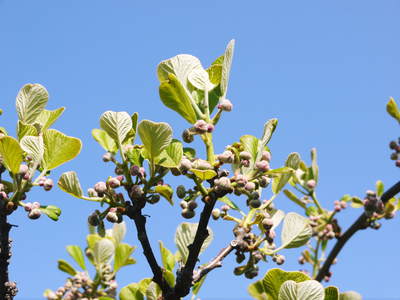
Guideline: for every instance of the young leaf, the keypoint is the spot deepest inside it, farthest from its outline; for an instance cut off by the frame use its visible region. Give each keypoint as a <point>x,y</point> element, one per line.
<point>393,109</point>
<point>167,257</point>
<point>34,147</point>
<point>155,136</point>
<point>77,254</point>
<point>331,293</point>
<point>166,191</point>
<point>204,174</point>
<point>296,231</point>
<point>379,188</point>
<point>118,232</point>
<point>116,124</point>
<point>70,184</point>
<point>31,101</point>
<point>350,295</point>
<point>46,118</point>
<point>11,153</point>
<point>122,256</point>
<point>294,198</point>
<point>269,129</point>
<point>199,79</point>
<point>226,67</point>
<point>103,250</point>
<point>231,204</point>
<point>175,96</point>
<point>180,65</point>
<point>59,148</point>
<point>190,153</point>
<point>306,290</point>
<point>105,140</point>
<point>53,212</point>
<point>66,267</point>
<point>314,165</point>
<point>257,290</point>
<point>131,292</point>
<point>274,279</point>
<point>184,236</point>
<point>25,129</point>
<point>171,156</point>
<point>153,291</point>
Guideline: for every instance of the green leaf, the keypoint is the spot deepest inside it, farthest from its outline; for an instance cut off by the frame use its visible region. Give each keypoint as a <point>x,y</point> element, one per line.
<point>294,198</point>
<point>171,156</point>
<point>3,131</point>
<point>184,236</point>
<point>296,231</point>
<point>174,96</point>
<point>190,153</point>
<point>356,202</point>
<point>169,277</point>
<point>116,124</point>
<point>66,267</point>
<point>166,191</point>
<point>144,284</point>
<point>25,129</point>
<point>350,295</point>
<point>105,140</point>
<point>215,73</point>
<point>279,171</point>
<point>197,286</point>
<point>52,211</point>
<point>153,291</point>
<point>269,129</point>
<point>273,280</point>
<point>131,292</point>
<point>252,145</point>
<point>306,290</point>
<point>70,184</point>
<point>393,109</point>
<point>46,118</point>
<point>293,161</point>
<point>92,239</point>
<point>122,256</point>
<point>77,254</point>
<point>118,232</point>
<point>277,218</point>
<point>59,148</point>
<point>103,250</point>
<point>379,188</point>
<point>231,204</point>
<point>331,293</point>
<point>167,257</point>
<point>257,290</point>
<point>34,147</point>
<point>155,137</point>
<point>226,67</point>
<point>199,78</point>
<point>11,153</point>
<point>31,101</point>
<point>204,174</point>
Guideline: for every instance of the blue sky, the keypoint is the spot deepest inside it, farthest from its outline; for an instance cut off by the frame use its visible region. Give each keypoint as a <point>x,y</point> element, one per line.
<point>325,69</point>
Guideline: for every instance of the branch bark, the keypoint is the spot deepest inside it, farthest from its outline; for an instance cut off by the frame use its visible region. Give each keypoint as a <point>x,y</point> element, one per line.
<point>360,223</point>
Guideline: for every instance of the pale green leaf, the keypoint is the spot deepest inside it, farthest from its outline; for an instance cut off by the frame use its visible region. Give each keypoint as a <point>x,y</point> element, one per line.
<point>25,129</point>
<point>226,67</point>
<point>103,251</point>
<point>350,295</point>
<point>52,211</point>
<point>105,140</point>
<point>77,254</point>
<point>11,153</point>
<point>131,292</point>
<point>118,232</point>
<point>69,183</point>
<point>59,148</point>
<point>306,290</point>
<point>153,291</point>
<point>46,118</point>
<point>314,165</point>
<point>171,156</point>
<point>34,147</point>
<point>167,257</point>
<point>122,256</point>
<point>294,198</point>
<point>66,267</point>
<point>166,191</point>
<point>204,174</point>
<point>296,231</point>
<point>116,124</point>
<point>379,188</point>
<point>31,101</point>
<point>155,136</point>
<point>231,204</point>
<point>184,236</point>
<point>199,79</point>
<point>257,290</point>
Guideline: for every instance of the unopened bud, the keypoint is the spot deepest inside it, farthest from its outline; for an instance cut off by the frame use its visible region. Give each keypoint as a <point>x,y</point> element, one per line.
<point>180,191</point>
<point>226,157</point>
<point>114,182</point>
<point>34,214</point>
<point>187,213</point>
<point>100,188</point>
<point>225,105</point>
<point>262,166</point>
<point>200,126</point>
<point>48,184</point>
<point>112,217</point>
<point>92,193</point>
<point>187,136</point>
<point>136,192</point>
<point>264,181</point>
<point>245,155</point>
<point>107,157</point>
<point>23,169</point>
<point>215,213</point>
<point>311,184</point>
<point>250,186</point>
<point>266,155</point>
<point>241,180</point>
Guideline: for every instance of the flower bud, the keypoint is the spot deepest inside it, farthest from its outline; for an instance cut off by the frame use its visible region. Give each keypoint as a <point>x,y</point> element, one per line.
<point>185,165</point>
<point>35,205</point>
<point>225,105</point>
<point>107,157</point>
<point>223,184</point>
<point>34,214</point>
<point>180,191</point>
<point>394,156</point>
<point>245,163</point>
<point>241,180</point>
<point>210,128</point>
<point>92,193</point>
<point>48,184</point>
<point>279,259</point>
<point>114,182</point>
<point>225,208</point>
<point>201,164</point>
<point>183,204</point>
<point>226,157</point>
<point>301,260</point>
<point>187,213</point>
<point>255,203</point>
<point>264,181</point>
<point>245,155</point>
<point>136,192</point>
<point>3,196</point>
<point>311,184</point>
<point>138,171</point>
<point>93,219</point>
<point>154,199</point>
<point>28,206</point>
<point>393,145</point>
<point>187,136</point>
<point>200,126</point>
<point>118,170</point>
<point>267,223</point>
<point>398,163</point>
<point>215,213</point>
<point>23,169</point>
<point>262,166</point>
<point>192,205</point>
<point>250,186</point>
<point>266,155</point>
<point>112,217</point>
<point>100,188</point>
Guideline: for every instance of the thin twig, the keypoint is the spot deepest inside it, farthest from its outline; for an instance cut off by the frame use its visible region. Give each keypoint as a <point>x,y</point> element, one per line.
<point>360,223</point>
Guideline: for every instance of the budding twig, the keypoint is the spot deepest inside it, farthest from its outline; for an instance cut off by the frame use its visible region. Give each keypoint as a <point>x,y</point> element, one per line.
<point>359,224</point>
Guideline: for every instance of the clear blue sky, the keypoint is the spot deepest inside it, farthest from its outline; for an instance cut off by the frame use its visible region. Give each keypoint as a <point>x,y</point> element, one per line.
<point>325,69</point>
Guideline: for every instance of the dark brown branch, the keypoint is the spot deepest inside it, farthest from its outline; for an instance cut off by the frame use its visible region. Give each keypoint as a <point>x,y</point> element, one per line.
<point>140,222</point>
<point>185,276</point>
<point>216,262</point>
<point>360,223</point>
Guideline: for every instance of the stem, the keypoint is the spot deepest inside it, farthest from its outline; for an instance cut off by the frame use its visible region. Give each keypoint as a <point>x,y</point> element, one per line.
<point>316,260</point>
<point>207,139</point>
<point>206,104</point>
<point>360,223</point>
<point>315,200</point>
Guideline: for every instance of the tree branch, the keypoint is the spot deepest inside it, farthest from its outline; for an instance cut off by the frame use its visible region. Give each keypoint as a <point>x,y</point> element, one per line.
<point>216,262</point>
<point>360,223</point>
<point>185,277</point>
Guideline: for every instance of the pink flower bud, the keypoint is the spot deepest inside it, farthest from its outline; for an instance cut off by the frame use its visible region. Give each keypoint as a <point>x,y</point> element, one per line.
<point>225,105</point>
<point>48,184</point>
<point>34,214</point>
<point>201,126</point>
<point>262,166</point>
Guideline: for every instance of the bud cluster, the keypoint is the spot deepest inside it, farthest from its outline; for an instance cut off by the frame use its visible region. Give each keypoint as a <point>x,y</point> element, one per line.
<point>373,206</point>
<point>33,210</point>
<point>393,145</point>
